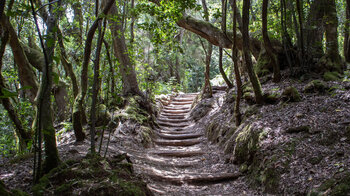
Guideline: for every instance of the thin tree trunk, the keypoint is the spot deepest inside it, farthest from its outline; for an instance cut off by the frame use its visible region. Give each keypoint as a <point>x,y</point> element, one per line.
<point>111,67</point>
<point>207,90</point>
<point>346,34</point>
<point>301,29</point>
<point>268,46</point>
<point>44,110</point>
<point>238,115</point>
<point>78,103</point>
<point>223,28</point>
<point>249,65</point>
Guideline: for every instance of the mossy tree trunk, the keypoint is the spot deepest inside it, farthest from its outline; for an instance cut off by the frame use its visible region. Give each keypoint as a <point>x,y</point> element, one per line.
<point>346,33</point>
<point>331,32</point>
<point>126,67</point>
<point>25,70</point>
<point>238,115</point>
<point>267,43</point>
<point>44,110</point>
<point>207,90</point>
<point>24,137</point>
<point>78,109</point>
<point>223,28</point>
<point>247,56</point>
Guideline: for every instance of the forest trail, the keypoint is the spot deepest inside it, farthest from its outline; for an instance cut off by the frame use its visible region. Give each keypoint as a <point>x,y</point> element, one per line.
<point>182,162</point>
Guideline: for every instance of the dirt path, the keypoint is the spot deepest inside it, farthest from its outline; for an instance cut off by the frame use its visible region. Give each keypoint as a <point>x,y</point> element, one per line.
<point>182,162</point>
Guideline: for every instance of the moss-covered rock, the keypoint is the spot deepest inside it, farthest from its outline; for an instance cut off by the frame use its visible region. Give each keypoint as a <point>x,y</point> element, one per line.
<point>146,136</point>
<point>331,76</point>
<point>316,86</point>
<point>291,94</point>
<point>263,65</point>
<point>334,187</point>
<point>247,143</point>
<point>271,98</point>
<point>134,111</point>
<point>102,115</point>
<point>201,109</point>
<point>92,175</point>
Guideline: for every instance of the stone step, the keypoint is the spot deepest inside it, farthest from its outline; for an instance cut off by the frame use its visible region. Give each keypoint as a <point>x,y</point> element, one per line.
<point>178,153</point>
<point>175,132</point>
<point>167,124</point>
<point>173,120</point>
<point>180,103</point>
<point>189,178</point>
<point>177,108</point>
<point>175,111</point>
<point>179,136</point>
<point>173,116</point>
<point>178,99</point>
<point>183,142</point>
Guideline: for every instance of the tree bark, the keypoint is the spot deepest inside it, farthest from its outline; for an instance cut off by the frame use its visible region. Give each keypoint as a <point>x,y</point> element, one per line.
<point>346,33</point>
<point>79,101</point>
<point>238,115</point>
<point>25,71</point>
<point>268,46</point>
<point>126,67</point>
<point>111,67</point>
<point>248,61</point>
<point>331,31</point>
<point>223,28</point>
<point>24,137</point>
<point>207,90</point>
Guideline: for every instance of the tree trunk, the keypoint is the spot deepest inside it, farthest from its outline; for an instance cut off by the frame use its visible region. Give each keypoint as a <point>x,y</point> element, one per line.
<point>23,135</point>
<point>44,110</point>
<point>207,90</point>
<point>111,67</point>
<point>25,71</point>
<point>78,109</point>
<point>331,31</point>
<point>223,28</point>
<point>238,115</point>
<point>78,21</point>
<point>248,61</point>
<point>268,46</point>
<point>346,34</point>
<point>126,68</point>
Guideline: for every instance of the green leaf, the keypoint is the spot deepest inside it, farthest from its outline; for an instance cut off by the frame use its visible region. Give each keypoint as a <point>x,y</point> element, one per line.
<point>56,78</point>
<point>7,93</point>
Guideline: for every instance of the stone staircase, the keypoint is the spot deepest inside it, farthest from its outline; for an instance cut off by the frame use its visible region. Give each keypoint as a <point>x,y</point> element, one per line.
<point>181,163</point>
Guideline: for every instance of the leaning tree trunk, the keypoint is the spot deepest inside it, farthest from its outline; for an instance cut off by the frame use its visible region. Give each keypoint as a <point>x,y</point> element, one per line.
<point>247,56</point>
<point>24,137</point>
<point>268,46</point>
<point>126,67</point>
<point>25,71</point>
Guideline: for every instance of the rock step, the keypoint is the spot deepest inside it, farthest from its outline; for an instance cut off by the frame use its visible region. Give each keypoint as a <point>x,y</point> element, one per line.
<point>167,124</point>
<point>180,103</point>
<point>179,136</point>
<point>175,111</point>
<point>177,153</point>
<point>173,120</point>
<point>189,178</point>
<point>177,108</point>
<point>186,142</point>
<point>182,99</point>
<point>172,116</point>
<point>175,132</point>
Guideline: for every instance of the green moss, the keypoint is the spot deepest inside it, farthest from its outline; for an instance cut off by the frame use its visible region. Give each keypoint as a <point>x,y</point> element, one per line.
<point>146,136</point>
<point>316,86</point>
<point>331,76</point>
<point>263,64</point>
<point>291,94</point>
<point>270,179</point>
<point>246,144</point>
